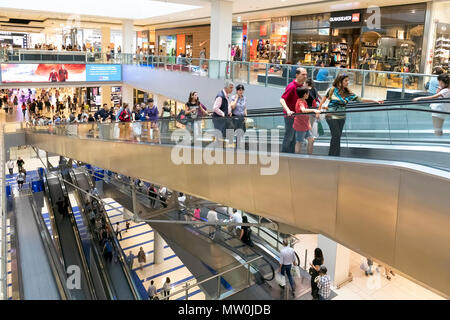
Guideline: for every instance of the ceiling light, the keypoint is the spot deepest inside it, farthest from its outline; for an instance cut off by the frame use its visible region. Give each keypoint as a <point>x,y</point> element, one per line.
<point>134,9</point>
<point>239,19</point>
<point>413,11</point>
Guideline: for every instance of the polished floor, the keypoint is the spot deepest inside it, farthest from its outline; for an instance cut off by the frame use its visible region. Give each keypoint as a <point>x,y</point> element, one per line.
<point>362,287</point>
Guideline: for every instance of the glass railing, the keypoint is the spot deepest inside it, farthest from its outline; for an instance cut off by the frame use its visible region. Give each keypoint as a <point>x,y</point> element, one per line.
<point>384,84</point>
<point>410,123</point>
<point>218,281</point>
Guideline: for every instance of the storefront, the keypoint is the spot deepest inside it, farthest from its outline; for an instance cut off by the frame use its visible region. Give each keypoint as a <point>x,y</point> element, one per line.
<point>186,41</point>
<point>347,40</point>
<point>141,96</point>
<point>266,41</point>
<point>167,45</point>
<point>17,40</point>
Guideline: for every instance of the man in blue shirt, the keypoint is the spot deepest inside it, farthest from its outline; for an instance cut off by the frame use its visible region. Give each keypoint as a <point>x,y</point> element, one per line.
<point>103,114</point>
<point>322,75</point>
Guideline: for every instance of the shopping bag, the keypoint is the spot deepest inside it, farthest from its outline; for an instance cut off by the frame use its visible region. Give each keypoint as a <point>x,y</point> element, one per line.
<point>320,128</point>
<point>137,129</point>
<point>280,279</point>
<point>296,271</point>
<point>181,117</point>
<point>364,266</point>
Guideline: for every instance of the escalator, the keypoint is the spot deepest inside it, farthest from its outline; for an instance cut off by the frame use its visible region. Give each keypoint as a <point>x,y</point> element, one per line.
<point>40,272</point>
<point>388,210</point>
<point>71,245</point>
<point>263,269</point>
<point>118,273</point>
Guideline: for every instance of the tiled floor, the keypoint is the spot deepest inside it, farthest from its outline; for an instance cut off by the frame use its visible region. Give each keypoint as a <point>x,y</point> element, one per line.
<point>141,235</point>
<point>376,287</point>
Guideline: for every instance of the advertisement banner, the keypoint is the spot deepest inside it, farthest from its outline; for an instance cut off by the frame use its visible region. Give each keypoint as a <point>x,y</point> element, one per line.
<point>17,73</point>
<point>43,73</point>
<point>103,72</point>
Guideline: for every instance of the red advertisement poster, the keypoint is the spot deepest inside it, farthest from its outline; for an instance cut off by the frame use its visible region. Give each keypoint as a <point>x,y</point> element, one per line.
<point>43,73</point>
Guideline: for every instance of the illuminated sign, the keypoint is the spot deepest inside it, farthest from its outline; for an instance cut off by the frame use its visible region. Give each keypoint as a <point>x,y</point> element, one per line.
<point>30,72</point>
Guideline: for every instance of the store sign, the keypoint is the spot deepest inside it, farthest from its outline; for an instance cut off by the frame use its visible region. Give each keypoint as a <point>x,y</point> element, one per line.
<point>263,30</point>
<point>345,19</point>
<point>60,73</point>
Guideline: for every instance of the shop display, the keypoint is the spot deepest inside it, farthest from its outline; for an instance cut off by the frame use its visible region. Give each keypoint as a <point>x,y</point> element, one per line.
<point>442,47</point>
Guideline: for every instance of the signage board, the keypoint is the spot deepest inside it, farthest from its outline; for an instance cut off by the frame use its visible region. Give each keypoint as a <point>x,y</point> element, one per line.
<point>31,72</point>
<point>346,19</point>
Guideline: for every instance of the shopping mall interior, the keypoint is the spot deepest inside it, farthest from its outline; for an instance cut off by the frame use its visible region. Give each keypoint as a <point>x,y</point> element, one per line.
<point>163,150</point>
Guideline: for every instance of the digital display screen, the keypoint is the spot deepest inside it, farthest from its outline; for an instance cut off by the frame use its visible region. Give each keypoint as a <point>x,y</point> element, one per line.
<point>103,72</point>
<point>31,72</point>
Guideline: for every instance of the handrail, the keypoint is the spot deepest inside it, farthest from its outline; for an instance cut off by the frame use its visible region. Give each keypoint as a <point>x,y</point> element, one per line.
<point>155,59</point>
<point>106,281</point>
<point>49,202</point>
<point>118,248</point>
<point>79,248</point>
<point>371,107</point>
<point>52,255</point>
<point>78,240</point>
<point>214,276</point>
<point>3,223</point>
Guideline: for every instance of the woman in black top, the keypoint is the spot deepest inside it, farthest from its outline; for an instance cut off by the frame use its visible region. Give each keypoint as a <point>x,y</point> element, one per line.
<point>314,272</point>
<point>246,233</point>
<point>194,111</point>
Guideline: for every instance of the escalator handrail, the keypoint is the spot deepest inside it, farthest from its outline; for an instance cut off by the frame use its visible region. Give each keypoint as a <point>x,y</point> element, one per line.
<point>51,213</point>
<point>78,239</point>
<point>56,266</point>
<point>121,254</point>
<point>354,108</point>
<point>80,249</point>
<point>229,247</point>
<point>106,281</point>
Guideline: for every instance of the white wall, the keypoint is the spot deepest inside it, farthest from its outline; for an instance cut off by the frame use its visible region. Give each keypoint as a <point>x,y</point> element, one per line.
<point>177,86</point>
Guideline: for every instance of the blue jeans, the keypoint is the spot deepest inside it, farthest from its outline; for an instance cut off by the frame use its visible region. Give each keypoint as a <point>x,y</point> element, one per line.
<point>287,268</point>
<point>289,136</point>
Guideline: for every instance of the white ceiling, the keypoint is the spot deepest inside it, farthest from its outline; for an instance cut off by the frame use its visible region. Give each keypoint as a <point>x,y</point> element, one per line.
<point>146,13</point>
<point>129,9</point>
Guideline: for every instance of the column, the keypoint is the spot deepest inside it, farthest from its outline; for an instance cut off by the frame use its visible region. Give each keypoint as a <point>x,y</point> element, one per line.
<point>127,94</point>
<point>158,248</point>
<point>128,37</point>
<point>106,40</point>
<point>220,44</point>
<point>106,95</point>
<point>127,214</point>
<point>337,259</point>
<point>429,39</point>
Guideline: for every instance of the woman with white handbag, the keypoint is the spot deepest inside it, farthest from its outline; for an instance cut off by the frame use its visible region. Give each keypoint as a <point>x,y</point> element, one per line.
<point>442,92</point>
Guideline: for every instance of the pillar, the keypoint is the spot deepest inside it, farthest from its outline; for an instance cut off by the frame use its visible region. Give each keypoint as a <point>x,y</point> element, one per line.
<point>128,37</point>
<point>127,214</point>
<point>220,44</point>
<point>127,95</point>
<point>429,39</point>
<point>106,40</point>
<point>106,95</point>
<point>158,248</point>
<point>337,259</point>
